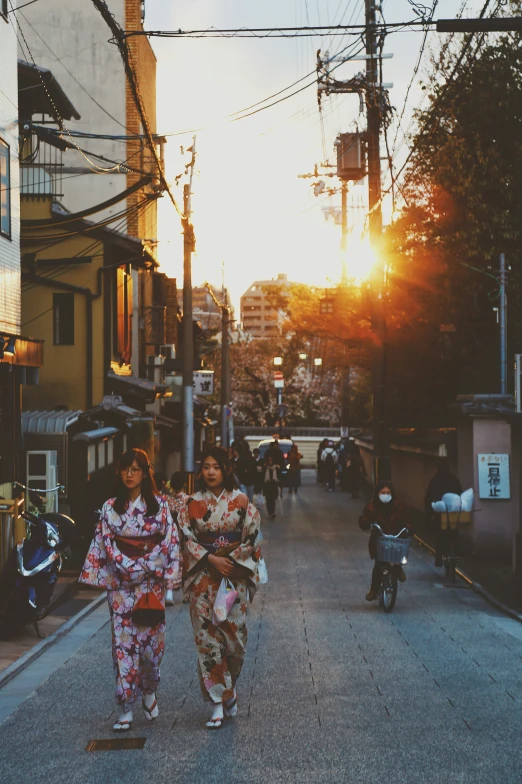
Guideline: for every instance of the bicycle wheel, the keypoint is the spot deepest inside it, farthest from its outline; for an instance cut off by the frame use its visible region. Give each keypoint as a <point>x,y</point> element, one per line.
<point>389,591</point>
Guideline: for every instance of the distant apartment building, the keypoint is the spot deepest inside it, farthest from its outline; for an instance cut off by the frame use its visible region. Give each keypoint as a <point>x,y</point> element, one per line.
<point>260,316</point>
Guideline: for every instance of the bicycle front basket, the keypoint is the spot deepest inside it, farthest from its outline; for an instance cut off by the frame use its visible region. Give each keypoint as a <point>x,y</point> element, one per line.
<point>392,550</point>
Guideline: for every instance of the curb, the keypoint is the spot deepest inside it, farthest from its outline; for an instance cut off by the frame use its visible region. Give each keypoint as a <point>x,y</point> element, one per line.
<point>37,650</point>
<point>478,588</point>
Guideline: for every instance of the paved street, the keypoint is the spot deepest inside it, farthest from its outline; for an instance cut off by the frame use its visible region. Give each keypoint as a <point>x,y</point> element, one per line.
<point>332,690</point>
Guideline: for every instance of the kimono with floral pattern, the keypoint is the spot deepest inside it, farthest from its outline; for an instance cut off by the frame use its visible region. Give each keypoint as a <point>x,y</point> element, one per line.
<point>221,649</point>
<point>136,651</point>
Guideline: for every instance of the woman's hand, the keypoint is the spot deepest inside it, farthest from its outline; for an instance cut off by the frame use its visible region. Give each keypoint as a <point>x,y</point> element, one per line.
<point>222,565</point>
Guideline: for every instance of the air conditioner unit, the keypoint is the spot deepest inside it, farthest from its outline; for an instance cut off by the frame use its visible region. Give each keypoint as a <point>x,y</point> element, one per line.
<point>168,350</point>
<point>42,474</point>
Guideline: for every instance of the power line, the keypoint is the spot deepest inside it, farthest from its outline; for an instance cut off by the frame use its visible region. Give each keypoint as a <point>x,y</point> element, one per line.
<point>119,36</point>
<point>270,32</point>
<point>93,99</point>
<point>444,91</point>
<point>306,86</point>
<point>51,100</point>
<point>22,6</point>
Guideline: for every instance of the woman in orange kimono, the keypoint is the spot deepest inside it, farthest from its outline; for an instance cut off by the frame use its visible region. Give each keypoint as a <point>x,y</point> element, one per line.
<point>221,536</point>
<point>135,551</point>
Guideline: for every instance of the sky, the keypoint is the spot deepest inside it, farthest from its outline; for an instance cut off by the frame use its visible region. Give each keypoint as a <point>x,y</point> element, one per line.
<point>253,216</point>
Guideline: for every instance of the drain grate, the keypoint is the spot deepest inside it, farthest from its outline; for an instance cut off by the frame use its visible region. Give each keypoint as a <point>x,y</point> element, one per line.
<point>116,744</point>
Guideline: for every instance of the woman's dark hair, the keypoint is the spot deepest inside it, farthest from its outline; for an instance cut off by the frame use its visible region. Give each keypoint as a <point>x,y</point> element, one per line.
<point>177,481</point>
<point>223,461</point>
<point>160,479</point>
<point>380,486</point>
<point>148,485</point>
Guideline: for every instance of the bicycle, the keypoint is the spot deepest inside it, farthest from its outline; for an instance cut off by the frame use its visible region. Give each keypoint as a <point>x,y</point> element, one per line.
<point>392,554</point>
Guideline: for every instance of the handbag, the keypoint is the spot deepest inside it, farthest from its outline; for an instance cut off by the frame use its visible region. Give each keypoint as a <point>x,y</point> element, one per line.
<point>224,601</point>
<point>148,610</point>
<point>262,572</point>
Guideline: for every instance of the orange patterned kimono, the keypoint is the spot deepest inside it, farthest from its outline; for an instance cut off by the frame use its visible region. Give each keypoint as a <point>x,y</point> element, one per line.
<point>229,518</point>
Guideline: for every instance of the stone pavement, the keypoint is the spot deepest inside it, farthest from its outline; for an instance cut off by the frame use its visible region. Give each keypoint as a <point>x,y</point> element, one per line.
<point>332,690</point>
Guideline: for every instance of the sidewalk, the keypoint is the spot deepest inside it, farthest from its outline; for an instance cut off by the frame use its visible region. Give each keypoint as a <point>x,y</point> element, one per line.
<point>68,599</point>
<point>493,575</point>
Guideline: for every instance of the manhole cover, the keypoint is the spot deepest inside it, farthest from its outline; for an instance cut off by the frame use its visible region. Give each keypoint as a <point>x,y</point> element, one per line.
<point>116,744</point>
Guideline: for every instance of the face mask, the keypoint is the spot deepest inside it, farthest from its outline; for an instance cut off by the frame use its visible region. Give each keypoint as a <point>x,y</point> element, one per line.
<point>384,498</point>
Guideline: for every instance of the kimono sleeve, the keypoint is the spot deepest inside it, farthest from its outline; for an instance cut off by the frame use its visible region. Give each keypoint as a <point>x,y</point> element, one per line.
<point>194,555</point>
<point>248,553</point>
<point>97,570</point>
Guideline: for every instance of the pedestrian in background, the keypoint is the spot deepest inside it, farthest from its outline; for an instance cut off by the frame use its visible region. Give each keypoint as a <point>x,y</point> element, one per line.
<point>294,469</point>
<point>134,552</point>
<point>221,536</point>
<point>246,471</point>
<point>176,498</point>
<point>329,461</point>
<point>258,484</point>
<point>392,515</point>
<point>443,482</point>
<point>320,465</point>
<point>354,472</point>
<point>271,485</point>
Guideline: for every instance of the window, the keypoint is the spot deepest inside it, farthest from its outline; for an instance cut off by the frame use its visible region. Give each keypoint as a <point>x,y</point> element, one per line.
<point>63,319</point>
<point>5,190</point>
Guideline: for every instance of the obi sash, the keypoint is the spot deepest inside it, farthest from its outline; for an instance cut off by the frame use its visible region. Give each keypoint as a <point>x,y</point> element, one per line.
<point>138,546</point>
<point>220,543</point>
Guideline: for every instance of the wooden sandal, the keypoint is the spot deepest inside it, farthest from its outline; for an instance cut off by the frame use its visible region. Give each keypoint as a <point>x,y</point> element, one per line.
<point>152,712</point>
<point>230,708</point>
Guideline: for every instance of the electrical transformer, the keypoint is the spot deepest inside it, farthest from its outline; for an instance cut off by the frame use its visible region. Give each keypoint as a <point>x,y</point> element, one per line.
<point>351,157</point>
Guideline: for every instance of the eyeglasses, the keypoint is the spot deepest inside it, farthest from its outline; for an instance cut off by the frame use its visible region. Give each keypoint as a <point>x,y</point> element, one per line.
<point>131,470</point>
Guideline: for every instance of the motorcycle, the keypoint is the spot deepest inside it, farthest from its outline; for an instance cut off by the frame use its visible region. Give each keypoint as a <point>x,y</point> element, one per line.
<point>30,574</point>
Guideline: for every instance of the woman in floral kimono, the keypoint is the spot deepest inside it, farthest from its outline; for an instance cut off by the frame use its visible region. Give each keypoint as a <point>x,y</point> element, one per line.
<point>135,551</point>
<point>221,536</point>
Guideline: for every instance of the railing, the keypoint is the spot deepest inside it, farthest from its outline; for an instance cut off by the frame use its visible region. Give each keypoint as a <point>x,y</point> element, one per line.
<point>41,170</point>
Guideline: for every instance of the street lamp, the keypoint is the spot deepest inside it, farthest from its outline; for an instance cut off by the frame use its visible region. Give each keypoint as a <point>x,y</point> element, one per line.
<point>318,361</point>
<point>278,360</point>
<point>303,356</point>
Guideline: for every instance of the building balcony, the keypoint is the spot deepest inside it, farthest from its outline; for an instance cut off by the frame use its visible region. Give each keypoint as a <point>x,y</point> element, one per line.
<point>41,167</point>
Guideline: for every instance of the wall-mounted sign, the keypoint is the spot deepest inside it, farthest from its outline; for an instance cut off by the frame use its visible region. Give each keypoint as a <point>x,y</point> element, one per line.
<point>203,382</point>
<point>345,432</point>
<point>493,477</point>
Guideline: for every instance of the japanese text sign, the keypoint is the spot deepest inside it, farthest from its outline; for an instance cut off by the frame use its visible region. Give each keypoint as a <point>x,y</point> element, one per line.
<point>493,477</point>
<point>204,382</point>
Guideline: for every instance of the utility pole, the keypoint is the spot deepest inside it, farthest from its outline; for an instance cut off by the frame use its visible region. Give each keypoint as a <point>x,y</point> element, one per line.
<point>225,371</point>
<point>188,329</point>
<point>225,395</point>
<point>503,326</point>
<point>374,104</point>
<point>344,230</point>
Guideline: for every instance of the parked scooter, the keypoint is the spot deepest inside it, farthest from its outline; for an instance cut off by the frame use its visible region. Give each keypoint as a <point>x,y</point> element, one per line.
<point>30,574</point>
